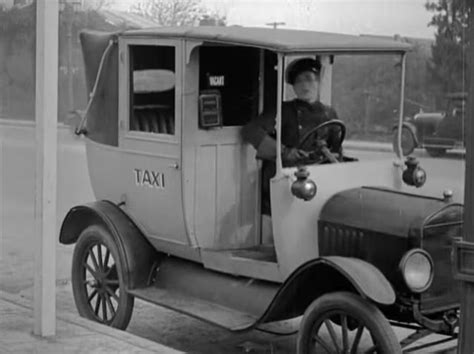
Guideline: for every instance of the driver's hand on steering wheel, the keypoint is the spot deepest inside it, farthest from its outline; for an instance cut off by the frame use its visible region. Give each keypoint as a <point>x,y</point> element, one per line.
<point>291,156</point>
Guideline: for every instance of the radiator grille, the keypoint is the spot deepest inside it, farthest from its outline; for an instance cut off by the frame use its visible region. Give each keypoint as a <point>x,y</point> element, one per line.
<point>340,240</point>
<point>444,290</point>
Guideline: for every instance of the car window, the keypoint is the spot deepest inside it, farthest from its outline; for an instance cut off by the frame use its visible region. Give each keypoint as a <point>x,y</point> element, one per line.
<point>152,89</point>
<point>233,72</point>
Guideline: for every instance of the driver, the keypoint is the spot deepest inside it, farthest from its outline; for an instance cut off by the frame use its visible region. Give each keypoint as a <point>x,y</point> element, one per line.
<point>298,117</point>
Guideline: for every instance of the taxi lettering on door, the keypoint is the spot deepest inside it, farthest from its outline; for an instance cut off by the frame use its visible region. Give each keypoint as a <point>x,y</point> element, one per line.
<point>149,178</point>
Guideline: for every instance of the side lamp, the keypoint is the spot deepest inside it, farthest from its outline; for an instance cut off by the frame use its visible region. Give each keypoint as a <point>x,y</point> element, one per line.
<point>303,188</point>
<point>413,175</point>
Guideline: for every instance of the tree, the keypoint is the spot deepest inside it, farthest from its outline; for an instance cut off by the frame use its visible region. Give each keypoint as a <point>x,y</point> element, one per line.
<point>448,64</point>
<point>17,59</point>
<point>177,12</point>
<point>95,5</point>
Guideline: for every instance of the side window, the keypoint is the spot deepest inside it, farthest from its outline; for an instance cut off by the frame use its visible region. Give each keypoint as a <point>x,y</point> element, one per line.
<point>233,72</point>
<point>152,89</point>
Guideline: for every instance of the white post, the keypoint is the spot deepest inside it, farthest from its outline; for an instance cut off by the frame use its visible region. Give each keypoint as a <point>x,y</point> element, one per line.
<point>326,80</point>
<point>45,189</point>
<point>2,201</point>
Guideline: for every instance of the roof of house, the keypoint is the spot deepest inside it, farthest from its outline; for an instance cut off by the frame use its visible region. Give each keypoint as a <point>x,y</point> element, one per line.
<point>119,18</point>
<point>280,40</point>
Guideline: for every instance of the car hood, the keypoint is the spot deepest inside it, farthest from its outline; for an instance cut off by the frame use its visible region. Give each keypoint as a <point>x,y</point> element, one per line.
<point>387,211</point>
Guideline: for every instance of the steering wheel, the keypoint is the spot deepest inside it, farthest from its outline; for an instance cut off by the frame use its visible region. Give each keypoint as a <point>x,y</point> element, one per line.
<point>317,141</point>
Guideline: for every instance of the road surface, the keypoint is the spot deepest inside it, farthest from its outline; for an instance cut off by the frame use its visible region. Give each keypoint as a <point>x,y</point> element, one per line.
<point>17,161</point>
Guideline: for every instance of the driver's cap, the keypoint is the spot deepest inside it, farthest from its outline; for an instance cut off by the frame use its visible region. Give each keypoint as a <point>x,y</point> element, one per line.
<point>302,65</point>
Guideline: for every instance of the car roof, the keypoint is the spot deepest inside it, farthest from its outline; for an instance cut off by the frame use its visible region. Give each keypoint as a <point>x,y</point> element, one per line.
<point>279,40</point>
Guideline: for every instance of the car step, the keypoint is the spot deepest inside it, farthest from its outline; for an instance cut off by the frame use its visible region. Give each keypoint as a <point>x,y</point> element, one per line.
<point>209,312</point>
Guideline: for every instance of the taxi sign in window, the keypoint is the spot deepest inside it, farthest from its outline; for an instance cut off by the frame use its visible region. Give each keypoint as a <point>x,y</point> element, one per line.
<point>210,109</point>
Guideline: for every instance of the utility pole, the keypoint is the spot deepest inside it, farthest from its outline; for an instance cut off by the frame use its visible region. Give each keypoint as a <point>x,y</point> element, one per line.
<point>69,14</point>
<point>69,9</point>
<point>275,24</point>
<point>366,121</point>
<point>464,250</point>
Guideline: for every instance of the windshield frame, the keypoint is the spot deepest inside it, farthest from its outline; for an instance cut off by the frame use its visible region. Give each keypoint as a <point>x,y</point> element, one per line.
<point>282,59</point>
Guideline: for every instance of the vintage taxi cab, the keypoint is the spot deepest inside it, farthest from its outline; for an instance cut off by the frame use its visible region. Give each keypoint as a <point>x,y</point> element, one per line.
<point>353,247</point>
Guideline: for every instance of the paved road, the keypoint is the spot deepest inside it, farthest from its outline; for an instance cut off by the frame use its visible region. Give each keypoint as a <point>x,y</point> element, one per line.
<point>181,332</point>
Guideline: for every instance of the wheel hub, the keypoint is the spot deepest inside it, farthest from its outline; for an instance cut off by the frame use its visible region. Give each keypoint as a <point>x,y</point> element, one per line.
<point>93,283</point>
<point>99,282</point>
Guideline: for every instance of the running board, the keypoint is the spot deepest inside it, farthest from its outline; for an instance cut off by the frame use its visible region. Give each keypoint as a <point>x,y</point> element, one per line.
<point>233,302</point>
<point>209,312</point>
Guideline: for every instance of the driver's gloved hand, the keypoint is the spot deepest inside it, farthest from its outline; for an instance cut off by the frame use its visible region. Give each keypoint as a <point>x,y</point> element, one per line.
<point>291,156</point>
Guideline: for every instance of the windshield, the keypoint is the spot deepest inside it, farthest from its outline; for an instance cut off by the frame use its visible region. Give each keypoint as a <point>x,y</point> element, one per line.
<point>362,93</point>
<point>366,94</point>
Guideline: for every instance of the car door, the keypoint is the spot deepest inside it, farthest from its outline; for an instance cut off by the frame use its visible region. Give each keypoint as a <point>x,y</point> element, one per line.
<point>150,136</point>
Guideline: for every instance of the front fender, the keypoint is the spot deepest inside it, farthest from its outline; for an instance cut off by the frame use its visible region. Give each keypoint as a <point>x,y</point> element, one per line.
<point>137,253</point>
<point>324,275</point>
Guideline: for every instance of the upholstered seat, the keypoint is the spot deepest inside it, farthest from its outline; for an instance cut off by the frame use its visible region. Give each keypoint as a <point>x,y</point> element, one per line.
<point>153,120</point>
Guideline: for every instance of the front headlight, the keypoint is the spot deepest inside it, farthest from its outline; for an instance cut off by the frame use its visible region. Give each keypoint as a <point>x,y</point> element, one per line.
<point>417,270</point>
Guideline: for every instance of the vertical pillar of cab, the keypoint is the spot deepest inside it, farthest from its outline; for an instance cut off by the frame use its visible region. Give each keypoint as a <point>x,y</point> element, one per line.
<point>326,79</point>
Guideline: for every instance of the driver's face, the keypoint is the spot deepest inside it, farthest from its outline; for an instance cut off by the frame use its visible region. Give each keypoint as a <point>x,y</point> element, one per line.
<point>306,86</point>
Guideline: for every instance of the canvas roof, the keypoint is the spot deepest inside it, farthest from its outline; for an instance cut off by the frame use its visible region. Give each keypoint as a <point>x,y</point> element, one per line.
<point>279,40</point>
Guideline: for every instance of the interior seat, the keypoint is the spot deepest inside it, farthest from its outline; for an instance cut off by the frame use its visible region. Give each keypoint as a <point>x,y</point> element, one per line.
<point>153,120</point>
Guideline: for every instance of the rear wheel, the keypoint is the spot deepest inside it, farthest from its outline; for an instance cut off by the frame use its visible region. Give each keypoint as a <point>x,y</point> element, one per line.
<point>436,152</point>
<point>408,141</point>
<point>97,279</point>
<point>343,322</point>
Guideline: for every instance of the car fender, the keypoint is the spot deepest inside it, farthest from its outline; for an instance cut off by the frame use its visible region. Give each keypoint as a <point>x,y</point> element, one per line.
<point>411,128</point>
<point>134,249</point>
<point>324,275</point>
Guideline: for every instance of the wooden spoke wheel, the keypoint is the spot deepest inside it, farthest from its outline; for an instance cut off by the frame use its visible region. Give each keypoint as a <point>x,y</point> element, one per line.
<point>98,281</point>
<point>408,141</point>
<point>343,322</point>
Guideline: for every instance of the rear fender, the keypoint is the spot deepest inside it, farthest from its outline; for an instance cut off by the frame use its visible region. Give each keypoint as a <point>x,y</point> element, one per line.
<point>325,275</point>
<point>134,249</point>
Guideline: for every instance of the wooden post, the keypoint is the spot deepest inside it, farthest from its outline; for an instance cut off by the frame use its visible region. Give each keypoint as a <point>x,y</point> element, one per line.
<point>466,339</point>
<point>46,111</point>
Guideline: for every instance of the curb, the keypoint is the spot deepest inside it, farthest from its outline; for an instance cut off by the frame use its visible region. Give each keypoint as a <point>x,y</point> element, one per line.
<point>140,343</point>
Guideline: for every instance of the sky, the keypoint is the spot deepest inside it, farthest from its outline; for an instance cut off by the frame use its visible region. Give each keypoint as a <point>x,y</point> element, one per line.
<point>384,17</point>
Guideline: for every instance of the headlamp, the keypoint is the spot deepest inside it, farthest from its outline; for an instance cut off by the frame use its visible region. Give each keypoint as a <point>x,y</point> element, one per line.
<point>417,270</point>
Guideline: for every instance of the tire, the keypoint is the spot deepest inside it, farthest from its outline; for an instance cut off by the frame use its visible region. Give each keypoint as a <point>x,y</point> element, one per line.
<point>98,279</point>
<point>436,152</point>
<point>408,141</point>
<point>345,313</point>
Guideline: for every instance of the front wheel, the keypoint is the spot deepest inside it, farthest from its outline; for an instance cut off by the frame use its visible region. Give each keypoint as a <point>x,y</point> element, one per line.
<point>343,322</point>
<point>98,279</point>
<point>408,141</point>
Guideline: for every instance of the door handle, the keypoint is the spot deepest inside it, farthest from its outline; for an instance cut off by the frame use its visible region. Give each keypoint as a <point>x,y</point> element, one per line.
<point>174,165</point>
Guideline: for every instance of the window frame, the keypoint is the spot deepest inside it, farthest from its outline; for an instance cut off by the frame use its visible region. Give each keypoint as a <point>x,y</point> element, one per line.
<point>125,77</point>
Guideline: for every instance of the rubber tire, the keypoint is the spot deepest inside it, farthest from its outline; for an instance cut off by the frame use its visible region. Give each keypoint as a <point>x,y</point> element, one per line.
<point>408,144</point>
<point>90,235</point>
<point>358,308</point>
<point>436,152</point>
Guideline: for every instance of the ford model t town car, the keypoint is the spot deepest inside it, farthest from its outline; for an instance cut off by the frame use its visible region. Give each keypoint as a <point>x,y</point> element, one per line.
<point>437,132</point>
<point>353,247</point>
